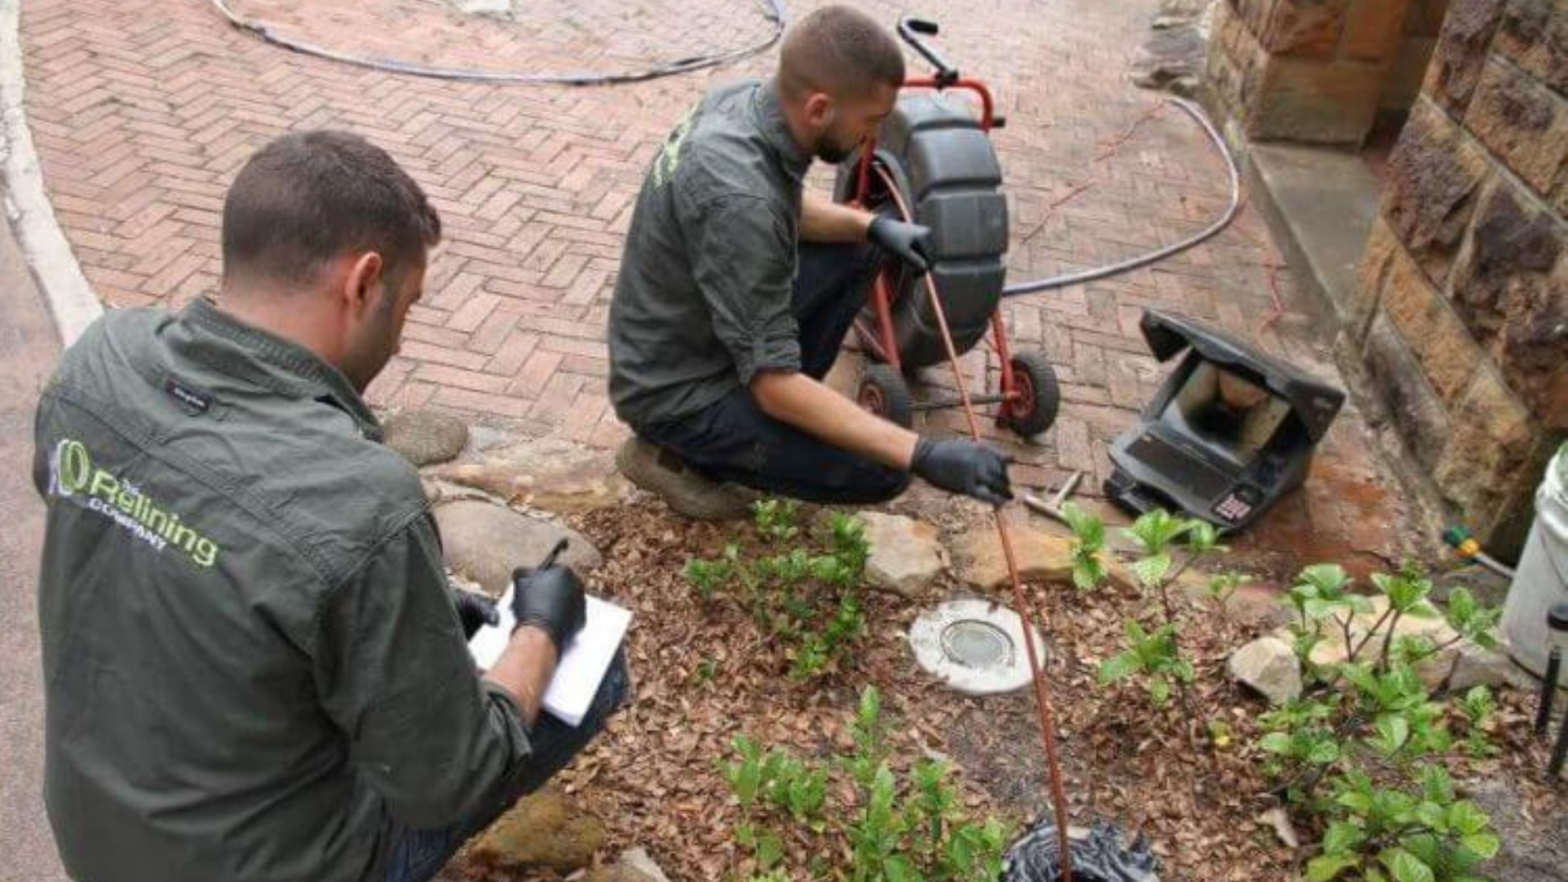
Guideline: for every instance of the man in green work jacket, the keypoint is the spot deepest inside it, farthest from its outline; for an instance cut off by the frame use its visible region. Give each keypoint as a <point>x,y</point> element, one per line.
<point>738,285</point>
<point>255,669</point>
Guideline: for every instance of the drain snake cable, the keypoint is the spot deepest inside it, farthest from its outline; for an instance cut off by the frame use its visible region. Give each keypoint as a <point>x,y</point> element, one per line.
<point>1042,693</point>
<point>773,10</point>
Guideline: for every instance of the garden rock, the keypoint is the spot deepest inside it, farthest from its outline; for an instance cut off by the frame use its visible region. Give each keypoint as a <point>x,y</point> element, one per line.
<point>425,437</point>
<point>540,832</point>
<point>906,554</point>
<point>1535,846</point>
<point>1041,555</point>
<point>548,473</point>
<point>484,542</point>
<point>1268,665</point>
<point>1331,651</point>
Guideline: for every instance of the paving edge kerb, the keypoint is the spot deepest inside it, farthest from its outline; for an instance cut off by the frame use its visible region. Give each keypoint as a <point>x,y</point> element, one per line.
<point>71,298</point>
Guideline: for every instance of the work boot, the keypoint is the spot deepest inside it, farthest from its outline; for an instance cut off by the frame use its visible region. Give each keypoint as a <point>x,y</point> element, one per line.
<point>682,488</point>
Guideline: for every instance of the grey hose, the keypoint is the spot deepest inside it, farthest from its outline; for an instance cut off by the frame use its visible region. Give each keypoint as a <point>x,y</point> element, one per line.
<point>773,9</point>
<point>1034,286</point>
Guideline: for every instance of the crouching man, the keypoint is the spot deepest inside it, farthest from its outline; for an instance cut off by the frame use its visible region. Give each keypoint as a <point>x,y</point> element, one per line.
<point>255,667</point>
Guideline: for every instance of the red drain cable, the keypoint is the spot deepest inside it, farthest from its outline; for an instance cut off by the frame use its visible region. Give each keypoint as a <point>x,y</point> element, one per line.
<point>1042,692</point>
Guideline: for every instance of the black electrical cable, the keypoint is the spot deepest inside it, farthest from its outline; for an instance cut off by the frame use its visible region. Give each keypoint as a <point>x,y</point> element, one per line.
<point>774,10</point>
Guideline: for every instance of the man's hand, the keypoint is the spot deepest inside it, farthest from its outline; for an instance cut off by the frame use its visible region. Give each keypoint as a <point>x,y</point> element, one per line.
<point>551,600</point>
<point>908,242</point>
<point>959,465</point>
<point>474,611</point>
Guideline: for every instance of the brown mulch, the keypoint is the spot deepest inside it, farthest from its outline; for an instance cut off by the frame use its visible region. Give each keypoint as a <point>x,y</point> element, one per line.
<point>652,777</point>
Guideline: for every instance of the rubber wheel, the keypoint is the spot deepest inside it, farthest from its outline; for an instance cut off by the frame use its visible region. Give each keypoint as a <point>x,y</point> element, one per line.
<point>1039,396</point>
<point>884,392</point>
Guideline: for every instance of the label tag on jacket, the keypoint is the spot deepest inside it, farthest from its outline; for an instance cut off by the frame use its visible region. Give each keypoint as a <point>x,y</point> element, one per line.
<point>192,400</point>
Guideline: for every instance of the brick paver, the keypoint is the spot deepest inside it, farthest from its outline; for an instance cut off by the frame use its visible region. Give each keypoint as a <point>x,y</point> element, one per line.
<point>144,111</point>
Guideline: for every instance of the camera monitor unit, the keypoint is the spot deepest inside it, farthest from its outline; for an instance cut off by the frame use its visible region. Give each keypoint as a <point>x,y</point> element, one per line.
<point>1227,435</point>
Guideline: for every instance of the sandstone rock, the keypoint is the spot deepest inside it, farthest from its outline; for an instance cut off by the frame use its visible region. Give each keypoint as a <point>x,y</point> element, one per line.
<point>425,437</point>
<point>1484,667</point>
<point>1304,99</point>
<point>638,861</point>
<point>1535,843</point>
<point>1434,181</point>
<point>1331,651</point>
<point>1041,555</point>
<point>484,542</point>
<point>540,832</point>
<point>1535,36</point>
<point>1373,31</point>
<point>1523,123</point>
<point>1419,415</point>
<point>1509,288</point>
<point>1171,58</point>
<point>1434,334</point>
<point>1268,665</point>
<point>549,473</point>
<point>1461,51</point>
<point>1491,443</point>
<point>906,554</point>
<point>1301,27</point>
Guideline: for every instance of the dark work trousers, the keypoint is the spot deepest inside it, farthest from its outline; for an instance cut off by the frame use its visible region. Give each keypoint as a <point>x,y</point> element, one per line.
<point>418,855</point>
<point>733,440</point>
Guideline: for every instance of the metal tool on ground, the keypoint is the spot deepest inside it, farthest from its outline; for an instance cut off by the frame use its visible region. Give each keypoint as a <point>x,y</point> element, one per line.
<point>1459,539</point>
<point>1557,635</point>
<point>1053,508</point>
<point>896,201</point>
<point>1228,434</point>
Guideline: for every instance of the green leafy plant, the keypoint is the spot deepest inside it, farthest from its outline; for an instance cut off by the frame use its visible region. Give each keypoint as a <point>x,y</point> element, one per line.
<point>802,588</point>
<point>1088,544</point>
<point>1154,657</point>
<point>859,819</point>
<point>1362,749</point>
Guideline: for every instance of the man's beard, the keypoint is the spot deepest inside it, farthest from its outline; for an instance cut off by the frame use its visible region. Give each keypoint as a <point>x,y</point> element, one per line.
<point>832,153</point>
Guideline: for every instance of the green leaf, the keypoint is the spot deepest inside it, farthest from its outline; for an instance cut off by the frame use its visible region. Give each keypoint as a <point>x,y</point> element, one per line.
<point>1467,818</point>
<point>1323,752</point>
<point>1089,529</point>
<point>1341,837</point>
<point>1119,666</point>
<point>1275,742</point>
<point>1405,866</point>
<point>1329,866</point>
<point>1150,571</point>
<point>1485,845</point>
<point>1159,690</point>
<point>1393,731</point>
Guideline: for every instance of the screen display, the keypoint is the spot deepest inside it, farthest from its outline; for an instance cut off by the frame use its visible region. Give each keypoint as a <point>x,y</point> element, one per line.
<point>1225,413</point>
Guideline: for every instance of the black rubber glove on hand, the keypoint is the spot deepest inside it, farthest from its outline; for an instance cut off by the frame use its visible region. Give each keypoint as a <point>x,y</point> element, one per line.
<point>959,465</point>
<point>550,599</point>
<point>910,243</point>
<point>474,611</point>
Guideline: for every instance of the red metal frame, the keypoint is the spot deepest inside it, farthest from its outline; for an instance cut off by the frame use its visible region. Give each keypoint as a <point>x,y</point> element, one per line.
<point>881,342</point>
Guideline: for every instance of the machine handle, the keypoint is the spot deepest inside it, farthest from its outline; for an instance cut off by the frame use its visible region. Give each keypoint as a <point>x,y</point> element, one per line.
<point>911,29</point>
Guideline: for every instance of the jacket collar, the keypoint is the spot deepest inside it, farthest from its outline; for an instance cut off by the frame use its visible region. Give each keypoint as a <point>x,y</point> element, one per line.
<point>249,353</point>
<point>775,129</point>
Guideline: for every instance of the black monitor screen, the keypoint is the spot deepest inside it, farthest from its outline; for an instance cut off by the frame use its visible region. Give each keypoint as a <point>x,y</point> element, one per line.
<point>1225,413</point>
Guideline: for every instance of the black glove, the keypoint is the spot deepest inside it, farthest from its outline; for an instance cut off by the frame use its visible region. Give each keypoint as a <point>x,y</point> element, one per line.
<point>474,611</point>
<point>550,599</point>
<point>908,242</point>
<point>959,465</point>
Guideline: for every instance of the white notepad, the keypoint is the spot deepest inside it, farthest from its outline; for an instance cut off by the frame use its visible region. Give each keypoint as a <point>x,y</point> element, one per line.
<point>582,666</point>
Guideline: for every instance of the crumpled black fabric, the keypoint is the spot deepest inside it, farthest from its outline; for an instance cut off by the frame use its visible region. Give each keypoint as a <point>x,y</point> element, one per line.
<point>1099,855</point>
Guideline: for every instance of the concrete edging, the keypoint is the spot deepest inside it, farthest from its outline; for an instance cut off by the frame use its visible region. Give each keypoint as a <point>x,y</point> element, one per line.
<point>71,298</point>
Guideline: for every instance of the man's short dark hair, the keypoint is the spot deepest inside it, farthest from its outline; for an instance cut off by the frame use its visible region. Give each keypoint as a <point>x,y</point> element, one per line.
<point>309,197</point>
<point>839,50</point>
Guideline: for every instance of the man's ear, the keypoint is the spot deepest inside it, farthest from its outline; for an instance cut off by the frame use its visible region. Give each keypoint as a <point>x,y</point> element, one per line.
<point>363,284</point>
<point>820,110</point>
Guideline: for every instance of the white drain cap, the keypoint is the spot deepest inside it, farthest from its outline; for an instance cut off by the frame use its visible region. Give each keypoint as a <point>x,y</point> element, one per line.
<point>974,646</point>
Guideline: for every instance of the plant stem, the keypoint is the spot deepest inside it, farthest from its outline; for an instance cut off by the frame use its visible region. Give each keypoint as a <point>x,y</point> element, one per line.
<point>1367,638</point>
<point>1388,640</point>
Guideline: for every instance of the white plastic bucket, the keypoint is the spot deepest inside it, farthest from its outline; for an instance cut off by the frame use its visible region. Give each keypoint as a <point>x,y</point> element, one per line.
<point>1542,576</point>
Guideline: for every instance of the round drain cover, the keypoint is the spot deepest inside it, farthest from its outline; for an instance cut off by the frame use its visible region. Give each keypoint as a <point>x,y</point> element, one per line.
<point>974,646</point>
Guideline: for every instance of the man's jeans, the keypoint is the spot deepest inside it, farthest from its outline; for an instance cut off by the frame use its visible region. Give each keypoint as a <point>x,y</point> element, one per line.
<point>733,440</point>
<point>418,855</point>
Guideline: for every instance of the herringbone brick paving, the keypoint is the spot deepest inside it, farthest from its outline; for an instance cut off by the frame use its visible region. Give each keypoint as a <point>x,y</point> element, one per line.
<point>144,111</point>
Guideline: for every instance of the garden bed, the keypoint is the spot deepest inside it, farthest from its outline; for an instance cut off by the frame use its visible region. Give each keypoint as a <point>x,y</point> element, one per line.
<point>705,673</point>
